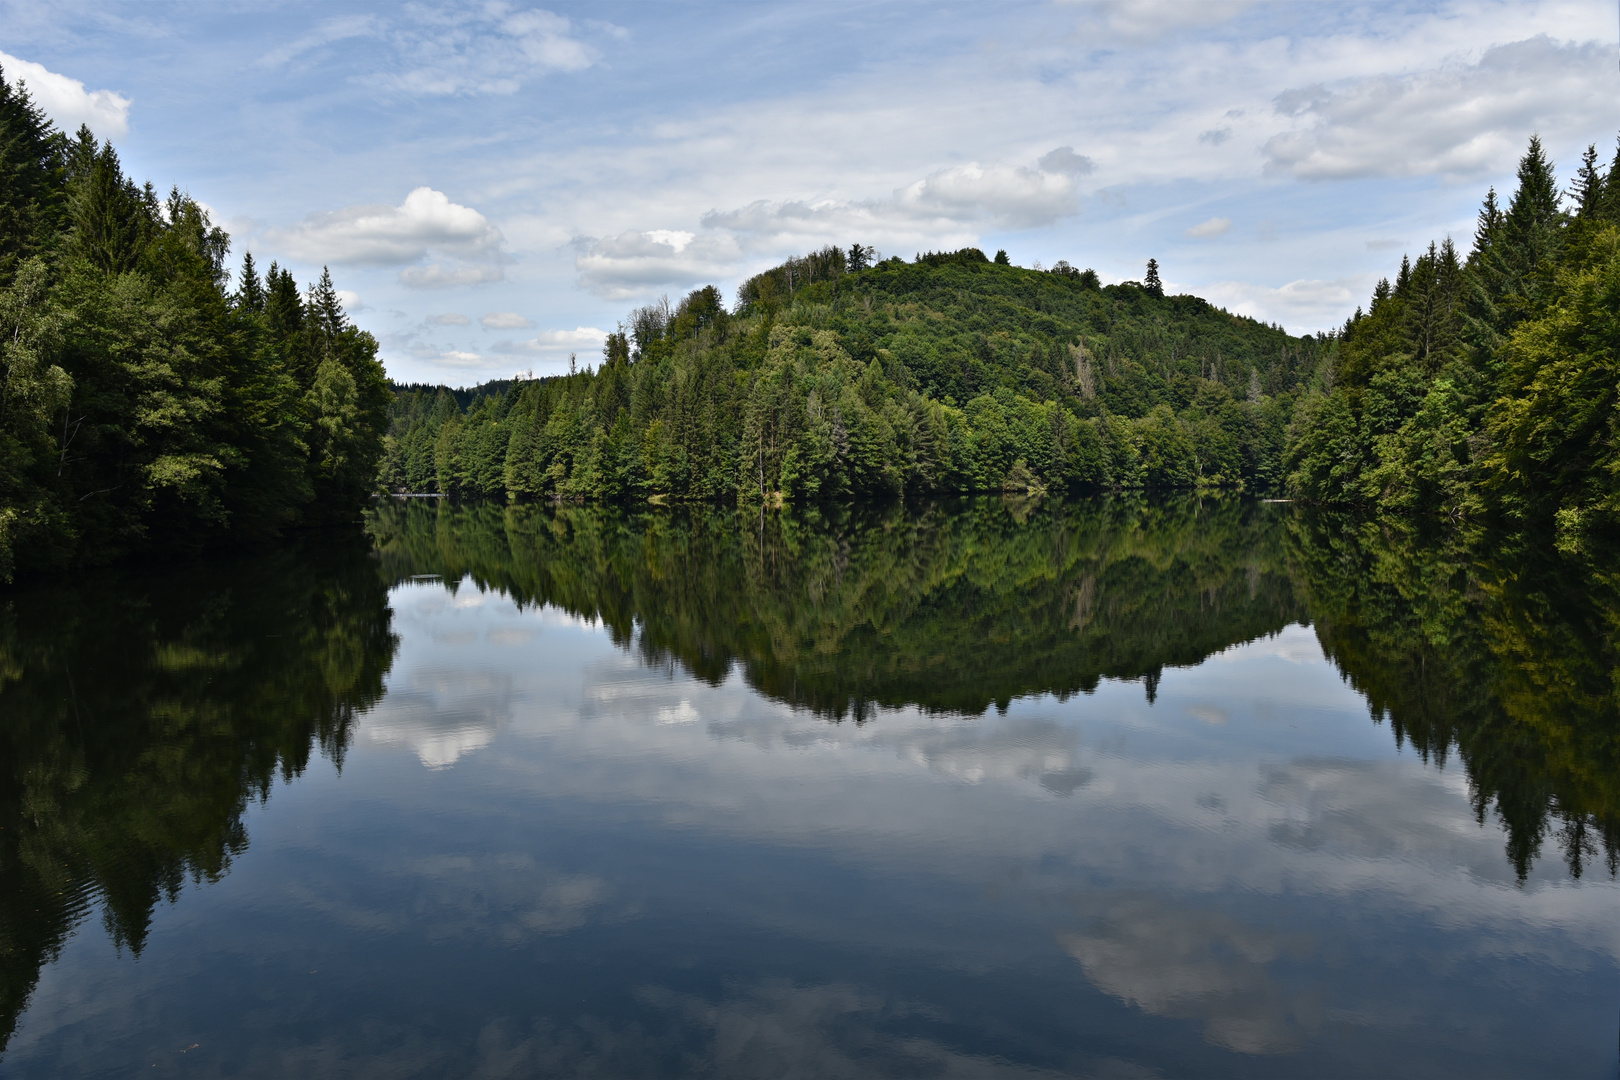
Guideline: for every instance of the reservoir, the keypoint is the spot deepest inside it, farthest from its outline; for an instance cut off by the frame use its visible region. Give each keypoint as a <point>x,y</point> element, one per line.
<point>978,788</point>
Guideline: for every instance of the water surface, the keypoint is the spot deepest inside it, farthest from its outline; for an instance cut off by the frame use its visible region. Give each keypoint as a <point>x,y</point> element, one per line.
<point>973,789</point>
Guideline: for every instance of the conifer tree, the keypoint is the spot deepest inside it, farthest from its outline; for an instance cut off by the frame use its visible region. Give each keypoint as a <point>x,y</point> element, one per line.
<point>1150,282</point>
<point>249,290</point>
<point>1586,192</point>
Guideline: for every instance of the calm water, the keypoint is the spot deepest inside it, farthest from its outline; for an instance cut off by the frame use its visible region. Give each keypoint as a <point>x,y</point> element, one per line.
<point>969,790</point>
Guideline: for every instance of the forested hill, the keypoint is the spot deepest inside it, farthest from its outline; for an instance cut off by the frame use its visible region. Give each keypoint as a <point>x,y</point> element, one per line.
<point>144,405</point>
<point>1484,384</point>
<point>828,378</point>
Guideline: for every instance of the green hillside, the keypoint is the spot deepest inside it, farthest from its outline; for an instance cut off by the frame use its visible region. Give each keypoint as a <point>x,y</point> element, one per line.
<point>951,372</point>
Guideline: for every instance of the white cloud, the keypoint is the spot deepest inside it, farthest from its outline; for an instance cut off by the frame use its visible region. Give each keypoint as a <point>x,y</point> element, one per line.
<point>1208,230</point>
<point>505,320</point>
<point>426,223</point>
<point>1012,197</point>
<point>554,342</point>
<point>457,358</point>
<point>1458,120</point>
<point>66,101</point>
<point>350,300</point>
<point>449,318</point>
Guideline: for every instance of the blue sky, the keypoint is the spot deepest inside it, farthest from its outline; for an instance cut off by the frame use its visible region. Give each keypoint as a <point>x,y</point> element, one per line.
<point>496,184</point>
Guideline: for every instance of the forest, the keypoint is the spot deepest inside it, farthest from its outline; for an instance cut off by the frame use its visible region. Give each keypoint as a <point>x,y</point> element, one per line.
<point>1481,384</point>
<point>830,378</point>
<point>146,406</point>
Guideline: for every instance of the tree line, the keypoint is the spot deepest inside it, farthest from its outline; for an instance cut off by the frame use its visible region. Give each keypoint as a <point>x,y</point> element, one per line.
<point>145,406</point>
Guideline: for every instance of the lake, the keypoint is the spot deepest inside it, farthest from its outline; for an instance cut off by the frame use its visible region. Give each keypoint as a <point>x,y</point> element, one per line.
<point>983,788</point>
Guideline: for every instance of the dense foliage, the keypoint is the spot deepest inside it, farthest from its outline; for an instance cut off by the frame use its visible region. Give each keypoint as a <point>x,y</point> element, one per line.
<point>831,378</point>
<point>143,406</point>
<point>1486,383</point>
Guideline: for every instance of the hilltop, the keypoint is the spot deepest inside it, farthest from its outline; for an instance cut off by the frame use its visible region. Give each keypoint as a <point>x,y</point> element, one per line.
<point>951,372</point>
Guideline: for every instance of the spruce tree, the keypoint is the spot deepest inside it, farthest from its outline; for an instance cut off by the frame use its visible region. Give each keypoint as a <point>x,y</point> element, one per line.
<point>1151,283</point>
<point>249,291</point>
<point>1586,192</point>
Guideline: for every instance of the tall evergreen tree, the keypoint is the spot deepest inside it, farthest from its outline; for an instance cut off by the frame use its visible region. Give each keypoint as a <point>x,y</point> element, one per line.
<point>249,290</point>
<point>1151,282</point>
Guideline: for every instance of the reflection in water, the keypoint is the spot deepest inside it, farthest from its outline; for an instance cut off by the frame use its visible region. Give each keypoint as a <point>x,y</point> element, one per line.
<point>973,789</point>
<point>1490,646</point>
<point>142,713</point>
<point>841,610</point>
<point>1465,643</point>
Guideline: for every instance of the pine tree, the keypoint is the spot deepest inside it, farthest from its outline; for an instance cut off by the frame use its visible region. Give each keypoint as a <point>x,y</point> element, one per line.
<point>249,291</point>
<point>1151,283</point>
<point>1488,228</point>
<point>325,317</point>
<point>1587,190</point>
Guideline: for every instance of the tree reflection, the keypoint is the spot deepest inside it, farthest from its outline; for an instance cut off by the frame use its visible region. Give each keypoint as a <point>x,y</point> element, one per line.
<point>1490,647</point>
<point>950,607</point>
<point>141,712</point>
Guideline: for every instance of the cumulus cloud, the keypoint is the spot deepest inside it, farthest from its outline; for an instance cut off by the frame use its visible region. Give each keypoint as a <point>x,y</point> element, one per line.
<point>550,342</point>
<point>426,223</point>
<point>505,320</point>
<point>1013,197</point>
<point>449,318</point>
<point>1459,120</point>
<point>350,300</point>
<point>66,101</point>
<point>1208,230</point>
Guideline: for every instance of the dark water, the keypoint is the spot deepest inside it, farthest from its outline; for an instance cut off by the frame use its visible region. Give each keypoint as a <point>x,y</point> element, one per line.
<point>988,789</point>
